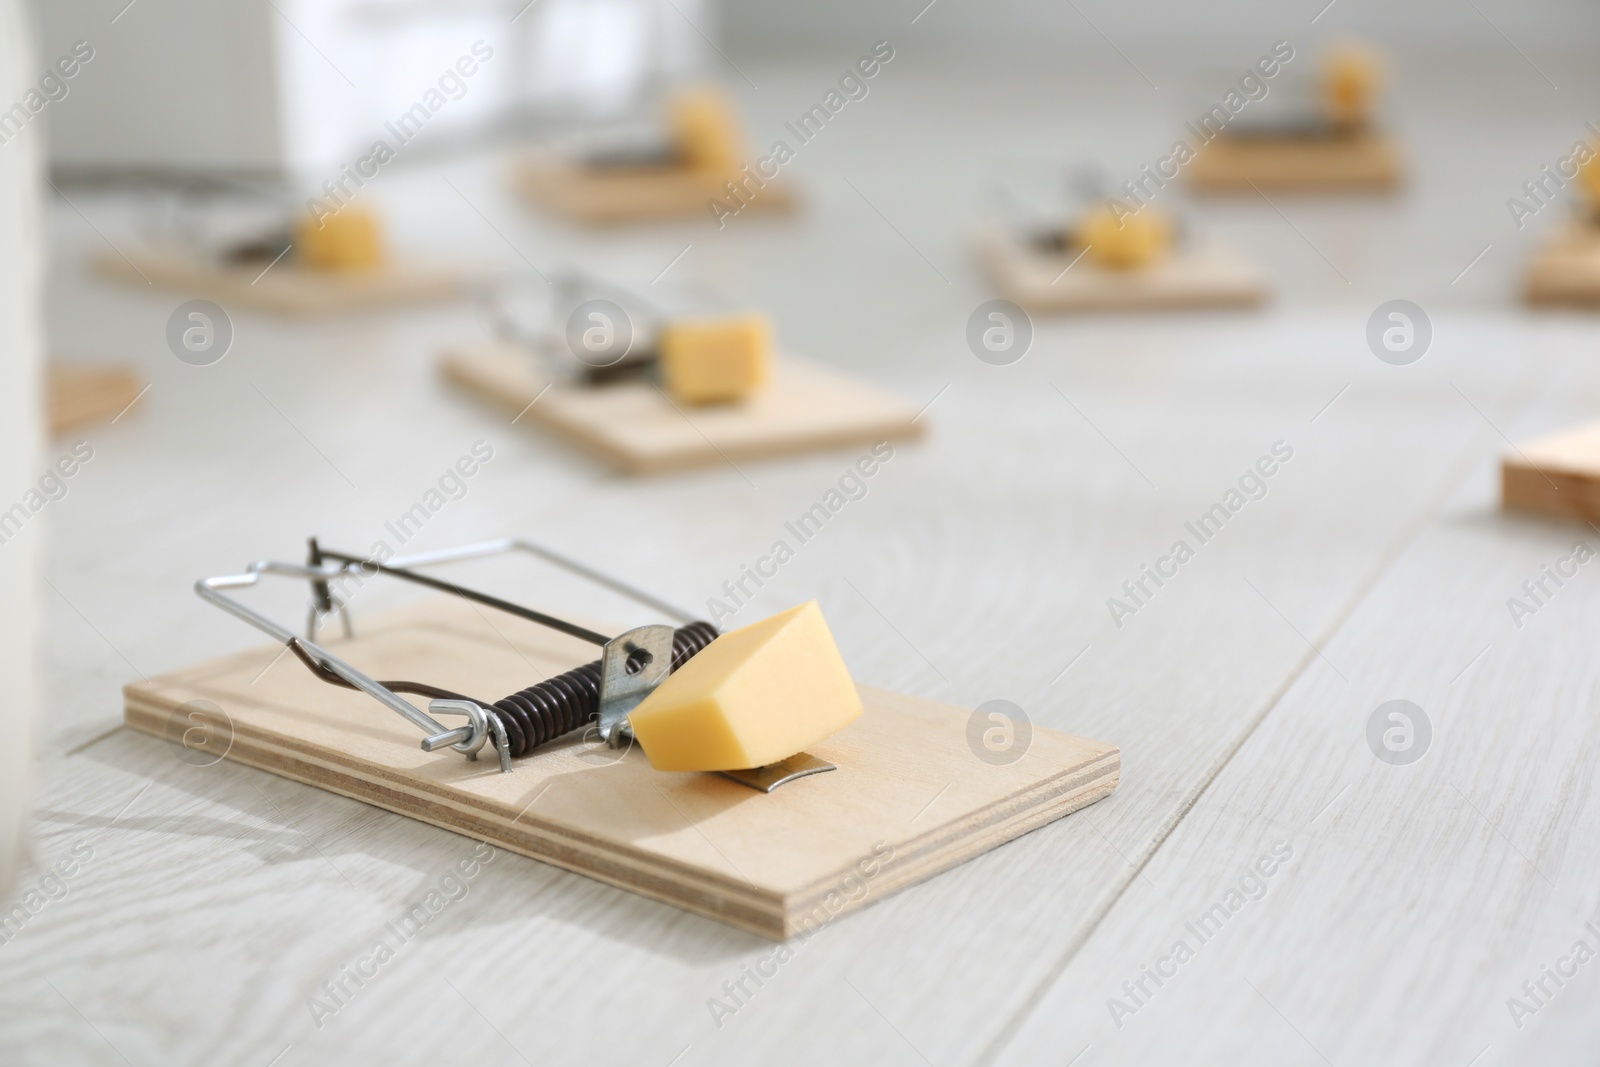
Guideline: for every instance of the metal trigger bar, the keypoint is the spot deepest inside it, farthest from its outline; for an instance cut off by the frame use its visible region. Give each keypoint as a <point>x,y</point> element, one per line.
<point>324,567</point>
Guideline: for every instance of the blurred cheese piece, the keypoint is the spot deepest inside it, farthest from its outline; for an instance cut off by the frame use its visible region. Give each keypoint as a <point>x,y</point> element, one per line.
<point>710,361</point>
<point>1125,243</point>
<point>350,240</point>
<point>752,697</point>
<point>1352,75</point>
<point>705,130</point>
<point>1589,182</point>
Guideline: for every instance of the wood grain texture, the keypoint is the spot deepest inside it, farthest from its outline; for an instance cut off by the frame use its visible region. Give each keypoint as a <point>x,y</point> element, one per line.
<point>84,394</point>
<point>284,289</point>
<point>776,864</point>
<point>635,427</point>
<point>1565,270</point>
<point>1194,276</point>
<point>1368,161</point>
<point>1420,897</point>
<point>1555,475</point>
<point>614,196</point>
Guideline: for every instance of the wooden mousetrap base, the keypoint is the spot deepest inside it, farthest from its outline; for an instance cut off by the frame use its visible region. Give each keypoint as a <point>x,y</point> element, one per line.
<point>1555,475</point>
<point>634,426</point>
<point>284,289</point>
<point>910,797</point>
<point>603,196</point>
<point>1566,272</point>
<point>1203,276</point>
<point>85,394</point>
<point>1231,164</point>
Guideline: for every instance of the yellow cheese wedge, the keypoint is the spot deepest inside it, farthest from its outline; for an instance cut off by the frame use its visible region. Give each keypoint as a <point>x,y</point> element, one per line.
<point>705,129</point>
<point>713,361</point>
<point>752,697</point>
<point>1126,242</point>
<point>1352,75</point>
<point>350,240</point>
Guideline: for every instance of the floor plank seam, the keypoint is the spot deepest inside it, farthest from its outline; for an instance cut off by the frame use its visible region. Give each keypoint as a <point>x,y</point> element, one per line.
<point>1455,476</point>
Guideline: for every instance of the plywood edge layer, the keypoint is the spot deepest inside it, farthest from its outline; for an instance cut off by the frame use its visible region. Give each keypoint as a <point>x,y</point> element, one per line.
<point>1242,184</point>
<point>979,832</point>
<point>1557,277</point>
<point>886,429</point>
<point>1048,301</point>
<point>1239,165</point>
<point>1548,490</point>
<point>1563,296</point>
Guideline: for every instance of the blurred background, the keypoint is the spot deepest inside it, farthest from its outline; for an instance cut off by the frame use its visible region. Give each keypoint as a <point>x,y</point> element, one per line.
<point>288,88</point>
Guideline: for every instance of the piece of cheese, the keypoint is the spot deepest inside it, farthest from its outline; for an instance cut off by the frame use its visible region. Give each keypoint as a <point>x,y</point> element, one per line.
<point>1124,241</point>
<point>350,240</point>
<point>713,361</point>
<point>1589,180</point>
<point>705,130</point>
<point>1352,74</point>
<point>752,697</point>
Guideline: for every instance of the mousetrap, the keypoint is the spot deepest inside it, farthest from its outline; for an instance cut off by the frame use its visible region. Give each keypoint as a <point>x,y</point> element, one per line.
<point>1565,272</point>
<point>1555,475</point>
<point>85,394</point>
<point>700,158</point>
<point>280,258</point>
<point>897,795</point>
<point>1093,252</point>
<point>1328,141</point>
<point>663,391</point>
<point>1043,272</point>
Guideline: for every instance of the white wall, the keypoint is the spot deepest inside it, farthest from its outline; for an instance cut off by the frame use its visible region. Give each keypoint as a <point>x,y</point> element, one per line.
<point>991,28</point>
<point>303,86</point>
<point>170,84</point>
<point>20,404</point>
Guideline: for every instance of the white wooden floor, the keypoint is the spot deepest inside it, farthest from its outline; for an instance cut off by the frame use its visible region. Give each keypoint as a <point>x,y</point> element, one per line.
<point>210,904</point>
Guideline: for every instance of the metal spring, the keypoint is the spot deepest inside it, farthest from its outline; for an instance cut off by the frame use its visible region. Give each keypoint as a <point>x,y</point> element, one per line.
<point>559,705</point>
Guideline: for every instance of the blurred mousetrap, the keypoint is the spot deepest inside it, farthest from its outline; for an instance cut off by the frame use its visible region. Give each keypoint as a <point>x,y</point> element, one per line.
<point>699,155</point>
<point>86,394</point>
<point>589,764</point>
<point>1327,141</point>
<point>647,389</point>
<point>1565,270</point>
<point>1555,475</point>
<point>1099,254</point>
<point>283,259</point>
